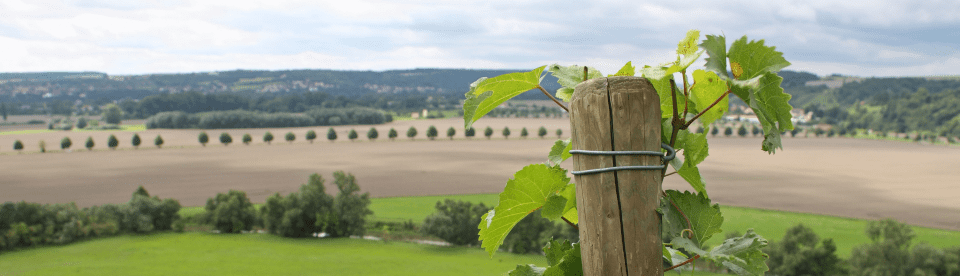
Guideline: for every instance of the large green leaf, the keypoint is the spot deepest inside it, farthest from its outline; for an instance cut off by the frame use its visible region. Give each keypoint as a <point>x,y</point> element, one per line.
<point>707,88</point>
<point>525,193</point>
<point>553,208</point>
<point>716,48</point>
<point>705,219</point>
<point>569,265</point>
<point>555,250</point>
<point>773,110</point>
<point>688,45</point>
<point>527,270</point>
<point>560,151</point>
<point>626,70</point>
<point>751,59</point>
<point>569,76</point>
<point>695,150</point>
<point>673,256</point>
<point>486,94</point>
<point>570,209</point>
<point>660,78</point>
<point>741,254</point>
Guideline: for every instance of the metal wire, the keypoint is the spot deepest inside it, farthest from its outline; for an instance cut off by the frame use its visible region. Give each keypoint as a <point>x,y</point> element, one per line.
<point>671,153</point>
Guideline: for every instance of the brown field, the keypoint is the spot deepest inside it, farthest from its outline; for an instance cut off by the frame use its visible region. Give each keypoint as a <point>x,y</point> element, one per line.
<point>913,183</point>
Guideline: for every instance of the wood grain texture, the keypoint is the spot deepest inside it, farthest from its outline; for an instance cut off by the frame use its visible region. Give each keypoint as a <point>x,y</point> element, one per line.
<point>619,226</point>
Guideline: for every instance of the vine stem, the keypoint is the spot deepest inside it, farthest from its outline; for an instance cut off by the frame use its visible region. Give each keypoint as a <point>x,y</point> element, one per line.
<point>686,94</point>
<point>707,109</point>
<point>571,223</point>
<point>554,99</point>
<point>695,257</point>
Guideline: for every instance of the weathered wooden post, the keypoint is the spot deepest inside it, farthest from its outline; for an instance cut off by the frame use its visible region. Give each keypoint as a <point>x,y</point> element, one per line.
<point>619,224</point>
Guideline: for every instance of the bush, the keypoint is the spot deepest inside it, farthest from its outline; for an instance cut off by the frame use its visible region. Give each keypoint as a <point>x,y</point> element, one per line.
<point>411,132</point>
<point>832,132</point>
<point>82,122</point>
<point>455,222</point>
<point>112,142</point>
<point>352,135</point>
<point>311,135</point>
<point>727,132</point>
<point>225,139</point>
<point>889,253</point>
<point>451,132</point>
<point>17,145</point>
<point>754,130</point>
<point>793,133</point>
<point>290,137</point>
<point>559,133</point>
<point>204,138</point>
<point>432,132</point>
<point>145,214</point>
<point>742,131</point>
<point>523,133</point>
<point>392,133</point>
<point>488,132</point>
<point>267,137</point>
<point>312,210</point>
<point>349,207</point>
<point>112,114</point>
<point>372,134</point>
<point>542,132</point>
<point>506,132</point>
<point>247,138</point>
<point>331,135</point>
<point>42,145</point>
<point>470,132</point>
<point>798,254</point>
<point>714,131</point>
<point>231,212</point>
<point>158,141</point>
<point>89,144</point>
<point>65,143</point>
<point>135,141</point>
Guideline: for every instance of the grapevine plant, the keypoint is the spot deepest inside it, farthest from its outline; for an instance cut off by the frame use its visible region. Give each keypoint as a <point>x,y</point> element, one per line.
<point>748,69</point>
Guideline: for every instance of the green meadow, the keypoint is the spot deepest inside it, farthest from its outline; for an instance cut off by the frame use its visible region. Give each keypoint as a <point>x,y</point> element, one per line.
<point>123,128</point>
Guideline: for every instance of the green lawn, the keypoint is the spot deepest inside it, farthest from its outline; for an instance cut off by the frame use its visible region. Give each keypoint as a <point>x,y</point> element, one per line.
<point>123,128</point>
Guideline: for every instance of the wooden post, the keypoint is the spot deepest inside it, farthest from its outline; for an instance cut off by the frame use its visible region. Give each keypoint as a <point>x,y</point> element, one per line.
<point>619,224</point>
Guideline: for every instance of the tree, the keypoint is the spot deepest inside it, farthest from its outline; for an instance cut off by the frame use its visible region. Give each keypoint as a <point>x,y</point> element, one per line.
<point>204,138</point>
<point>301,213</point>
<point>372,134</point>
<point>65,143</point>
<point>352,135</point>
<point>82,122</point>
<point>290,137</point>
<point>42,145</point>
<point>247,139</point>
<point>112,142</point>
<point>331,135</point>
<point>18,146</point>
<point>432,132</point>
<point>833,132</point>
<point>411,132</point>
<point>392,134</point>
<point>524,133</point>
<point>727,132</point>
<point>542,132</point>
<point>488,132</point>
<point>470,132</point>
<point>231,212</point>
<point>135,140</point>
<point>887,254</point>
<point>158,141</point>
<point>453,221</point>
<point>311,135</point>
<point>714,131</point>
<point>89,144</point>
<point>267,137</point>
<point>798,254</point>
<point>742,131</point>
<point>506,132</point>
<point>225,139</point>
<point>350,207</point>
<point>112,114</point>
<point>559,133</point>
<point>754,130</point>
<point>451,132</point>
<point>793,133</point>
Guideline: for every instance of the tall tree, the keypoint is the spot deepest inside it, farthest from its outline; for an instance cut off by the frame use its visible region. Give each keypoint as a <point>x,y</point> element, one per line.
<point>135,141</point>
<point>311,135</point>
<point>112,142</point>
<point>89,143</point>
<point>203,138</point>
<point>112,114</point>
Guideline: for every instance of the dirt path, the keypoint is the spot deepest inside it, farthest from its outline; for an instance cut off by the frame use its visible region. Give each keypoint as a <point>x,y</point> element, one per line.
<point>842,177</point>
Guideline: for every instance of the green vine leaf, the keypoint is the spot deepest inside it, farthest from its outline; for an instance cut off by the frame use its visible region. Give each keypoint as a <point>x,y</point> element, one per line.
<point>555,250</point>
<point>553,208</point>
<point>525,193</point>
<point>626,70</point>
<point>487,93</point>
<point>688,45</point>
<point>660,78</point>
<point>560,152</point>
<point>569,264</point>
<point>569,77</point>
<point>751,59</point>
<point>705,219</point>
<point>707,88</point>
<point>695,150</point>
<point>741,254</point>
<point>527,270</point>
<point>570,210</point>
<point>716,48</point>
<point>773,110</point>
<point>673,256</point>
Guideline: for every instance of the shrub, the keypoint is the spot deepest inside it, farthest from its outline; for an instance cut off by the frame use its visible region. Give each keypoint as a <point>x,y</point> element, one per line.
<point>352,135</point>
<point>432,132</point>
<point>89,144</point>
<point>204,138</point>
<point>542,132</point>
<point>506,132</point>
<point>267,137</point>
<point>312,210</point>
<point>42,145</point>
<point>225,139</point>
<point>112,114</point>
<point>754,130</point>
<point>65,143</point>
<point>818,132</point>
<point>290,137</point>
<point>843,132</point>
<point>17,145</point>
<point>488,132</point>
<point>793,133</point>
<point>372,134</point>
<point>798,254</point>
<point>247,138</point>
<point>727,132</point>
<point>451,132</point>
<point>742,131</point>
<point>559,133</point>
<point>411,132</point>
<point>112,142</point>
<point>331,135</point>
<point>135,140</point>
<point>82,122</point>
<point>714,131</point>
<point>231,212</point>
<point>523,133</point>
<point>144,213</point>
<point>158,141</point>
<point>455,221</point>
<point>470,132</point>
<point>392,133</point>
<point>888,253</point>
<point>831,133</point>
<point>311,135</point>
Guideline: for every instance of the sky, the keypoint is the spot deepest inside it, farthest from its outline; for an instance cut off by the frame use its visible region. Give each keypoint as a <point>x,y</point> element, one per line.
<point>860,38</point>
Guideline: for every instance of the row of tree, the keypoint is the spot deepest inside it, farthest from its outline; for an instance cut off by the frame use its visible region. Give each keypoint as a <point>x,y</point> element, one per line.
<point>112,143</point>
<point>251,119</point>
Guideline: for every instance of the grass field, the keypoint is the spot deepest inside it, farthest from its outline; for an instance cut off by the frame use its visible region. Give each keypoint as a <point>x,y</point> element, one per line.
<point>123,128</point>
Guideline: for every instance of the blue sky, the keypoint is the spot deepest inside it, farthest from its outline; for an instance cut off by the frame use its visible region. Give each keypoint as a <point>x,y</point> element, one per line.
<point>863,38</point>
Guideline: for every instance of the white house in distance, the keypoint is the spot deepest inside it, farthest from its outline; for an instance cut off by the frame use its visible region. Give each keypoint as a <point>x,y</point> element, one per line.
<point>797,115</point>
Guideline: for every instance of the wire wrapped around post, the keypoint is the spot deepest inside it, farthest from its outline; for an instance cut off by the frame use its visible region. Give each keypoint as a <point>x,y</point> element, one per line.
<point>671,153</point>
